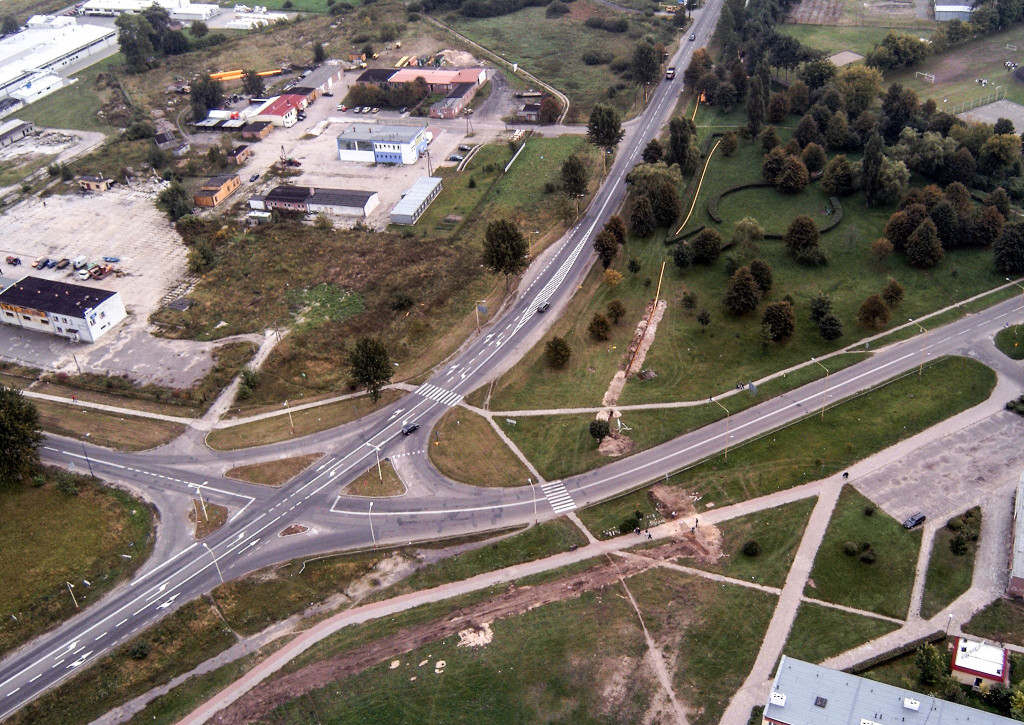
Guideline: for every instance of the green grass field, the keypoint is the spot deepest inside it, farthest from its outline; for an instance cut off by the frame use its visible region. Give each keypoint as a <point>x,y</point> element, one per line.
<point>49,538</point>
<point>811,448</point>
<point>831,39</point>
<point>692,363</point>
<point>1001,621</point>
<point>75,107</point>
<point>822,632</point>
<point>949,575</point>
<point>553,49</point>
<point>1010,341</point>
<point>883,586</point>
<point>465,448</point>
<point>778,531</point>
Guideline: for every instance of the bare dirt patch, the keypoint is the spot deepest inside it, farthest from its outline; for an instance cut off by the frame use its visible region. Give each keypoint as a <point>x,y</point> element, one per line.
<point>294,529</point>
<point>671,501</point>
<point>476,636</point>
<point>616,444</point>
<point>387,572</point>
<point>255,704</point>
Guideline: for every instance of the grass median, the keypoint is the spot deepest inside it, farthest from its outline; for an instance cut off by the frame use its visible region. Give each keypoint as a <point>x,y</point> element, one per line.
<point>274,473</point>
<point>111,430</point>
<point>821,632</point>
<point>376,482</point>
<point>951,566</point>
<point>812,448</point>
<point>1000,621</point>
<point>466,448</point>
<point>1010,341</point>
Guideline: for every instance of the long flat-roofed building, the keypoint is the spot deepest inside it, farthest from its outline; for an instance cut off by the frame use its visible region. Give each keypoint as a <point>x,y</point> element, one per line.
<point>74,311</point>
<point>317,200</point>
<point>177,9</point>
<point>382,143</point>
<point>416,200</point>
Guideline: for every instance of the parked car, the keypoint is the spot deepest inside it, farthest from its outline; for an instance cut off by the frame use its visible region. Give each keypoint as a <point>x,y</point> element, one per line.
<point>692,37</point>
<point>544,306</point>
<point>39,263</point>
<point>456,157</point>
<point>374,110</point>
<point>83,274</point>
<point>51,263</point>
<point>914,521</point>
<point>403,109</point>
<point>254,177</point>
<point>410,428</point>
<point>328,94</point>
<point>342,107</point>
<point>13,261</point>
<point>464,147</point>
<point>63,263</point>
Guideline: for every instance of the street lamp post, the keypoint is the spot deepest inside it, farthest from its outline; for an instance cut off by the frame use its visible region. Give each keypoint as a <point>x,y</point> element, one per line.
<point>369,518</point>
<point>824,394</point>
<point>376,452</point>
<point>1021,298</point>
<point>207,547</point>
<point>726,425</point>
<point>533,490</point>
<point>291,423</point>
<point>87,461</point>
<point>71,591</point>
<point>924,341</point>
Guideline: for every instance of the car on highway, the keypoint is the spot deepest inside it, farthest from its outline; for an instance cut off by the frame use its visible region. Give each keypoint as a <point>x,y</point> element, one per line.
<point>914,521</point>
<point>63,263</point>
<point>327,94</point>
<point>14,261</point>
<point>543,307</point>
<point>692,37</point>
<point>410,428</point>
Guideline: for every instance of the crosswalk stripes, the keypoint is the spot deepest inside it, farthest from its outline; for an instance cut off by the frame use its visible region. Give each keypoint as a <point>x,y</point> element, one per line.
<point>432,392</point>
<point>558,497</point>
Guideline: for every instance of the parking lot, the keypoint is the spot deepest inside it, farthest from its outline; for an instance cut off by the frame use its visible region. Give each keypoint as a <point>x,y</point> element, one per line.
<point>123,223</point>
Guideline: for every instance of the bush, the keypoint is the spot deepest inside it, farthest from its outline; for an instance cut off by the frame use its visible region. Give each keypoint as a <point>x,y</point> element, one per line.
<point>401,302</point>
<point>597,57</point>
<point>959,545</point>
<point>868,557</point>
<point>66,484</point>
<point>869,510</point>
<point>599,429</point>
<point>851,548</point>
<point>599,327</point>
<point>139,650</point>
<point>616,311</point>
<point>707,247</point>
<point>557,352</point>
<point>751,548</point>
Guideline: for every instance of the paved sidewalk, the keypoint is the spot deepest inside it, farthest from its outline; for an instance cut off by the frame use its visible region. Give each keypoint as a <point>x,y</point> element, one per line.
<point>117,410</point>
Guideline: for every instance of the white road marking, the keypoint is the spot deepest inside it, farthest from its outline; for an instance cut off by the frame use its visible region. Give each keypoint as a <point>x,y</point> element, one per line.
<point>558,497</point>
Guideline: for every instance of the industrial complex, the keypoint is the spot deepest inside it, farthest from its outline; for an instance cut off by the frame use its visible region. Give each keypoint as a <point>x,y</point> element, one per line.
<point>79,313</point>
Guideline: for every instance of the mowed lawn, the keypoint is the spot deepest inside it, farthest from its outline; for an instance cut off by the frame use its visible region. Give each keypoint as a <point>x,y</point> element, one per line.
<point>553,48</point>
<point>832,39</point>
<point>49,538</point>
<point>949,574</point>
<point>882,586</point>
<point>75,106</point>
<point>821,632</point>
<point>692,363</point>
<point>465,448</point>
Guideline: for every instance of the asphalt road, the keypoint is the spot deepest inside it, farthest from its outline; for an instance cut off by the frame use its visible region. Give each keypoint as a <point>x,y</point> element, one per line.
<point>181,569</point>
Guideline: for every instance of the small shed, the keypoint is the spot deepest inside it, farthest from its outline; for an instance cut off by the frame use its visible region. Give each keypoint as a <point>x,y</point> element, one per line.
<point>239,155</point>
<point>165,140</point>
<point>416,200</point>
<point>257,130</point>
<point>953,12</point>
<point>976,663</point>
<point>216,190</point>
<point>530,112</point>
<point>88,182</point>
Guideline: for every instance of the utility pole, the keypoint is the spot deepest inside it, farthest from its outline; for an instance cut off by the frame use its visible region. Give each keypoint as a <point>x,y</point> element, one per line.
<point>87,461</point>
<point>291,423</point>
<point>824,394</point>
<point>199,490</point>
<point>726,426</point>
<point>71,588</point>
<point>924,341</point>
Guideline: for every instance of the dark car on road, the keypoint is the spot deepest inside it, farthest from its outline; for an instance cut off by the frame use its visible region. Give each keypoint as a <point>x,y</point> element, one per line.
<point>914,521</point>
<point>14,261</point>
<point>254,177</point>
<point>543,307</point>
<point>410,428</point>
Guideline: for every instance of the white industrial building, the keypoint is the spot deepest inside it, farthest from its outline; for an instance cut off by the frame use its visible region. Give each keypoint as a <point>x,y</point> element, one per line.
<point>30,58</point>
<point>382,143</point>
<point>416,200</point>
<point>77,312</point>
<point>953,12</point>
<point>177,9</point>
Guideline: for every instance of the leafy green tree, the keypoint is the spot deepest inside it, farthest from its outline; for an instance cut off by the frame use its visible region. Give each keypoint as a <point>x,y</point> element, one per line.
<point>820,307</point>
<point>134,37</point>
<point>892,181</point>
<point>999,152</point>
<point>575,176</point>
<point>837,133</point>
<point>873,312</point>
<point>838,177</point>
<point>772,165</point>
<point>604,128</point>
<point>881,249</point>
<point>946,221</point>
<point>794,177</point>
<point>599,430</point>
<point>1008,251</point>
<point>653,152</point>
<point>174,201</point>
<point>814,157</point>
<point>682,145</point>
<point>780,319</point>
<point>9,25</point>
<point>252,84</point>
<point>924,248</point>
<point>707,247</point>
<point>550,109</point>
<point>199,29</point>
<point>616,311</point>
<point>892,293</point>
<point>641,218</point>
<point>802,236</point>
<point>762,272</point>
<point>931,665</point>
<point>606,247</point>
<point>599,328</point>
<point>205,94</point>
<point>703,319</point>
<point>807,131</point>
<point>370,365</point>
<point>645,63</point>
<point>743,294</point>
<point>557,352</point>
<point>871,166</point>
<point>746,233</point>
<point>1000,200</point>
<point>729,143</point>
<point>958,195</point>
<point>505,248</point>
<point>989,226</point>
<point>319,54</point>
<point>898,228</point>
<point>818,73</point>
<point>859,85</point>
<point>830,327</point>
<point>769,139</point>
<point>617,227</point>
<point>19,436</point>
<point>755,106</point>
<point>682,255</point>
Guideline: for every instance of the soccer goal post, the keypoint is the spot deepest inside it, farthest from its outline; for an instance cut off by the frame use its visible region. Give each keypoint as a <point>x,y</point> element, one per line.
<point>930,77</point>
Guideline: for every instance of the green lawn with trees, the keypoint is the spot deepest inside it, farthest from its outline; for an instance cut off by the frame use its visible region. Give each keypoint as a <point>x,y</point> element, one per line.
<point>951,566</point>
<point>820,632</point>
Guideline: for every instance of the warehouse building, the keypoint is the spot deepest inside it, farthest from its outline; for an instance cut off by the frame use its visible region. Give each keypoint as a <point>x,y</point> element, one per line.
<point>382,144</point>
<point>416,200</point>
<point>1015,588</point>
<point>455,102</point>
<point>79,313</point>
<point>177,9</point>
<point>317,200</point>
<point>257,130</point>
<point>13,131</point>
<point>29,58</point>
<point>953,12</point>
<point>806,694</point>
<point>216,190</point>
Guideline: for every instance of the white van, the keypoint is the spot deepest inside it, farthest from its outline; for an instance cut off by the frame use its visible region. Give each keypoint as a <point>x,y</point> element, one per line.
<point>80,261</point>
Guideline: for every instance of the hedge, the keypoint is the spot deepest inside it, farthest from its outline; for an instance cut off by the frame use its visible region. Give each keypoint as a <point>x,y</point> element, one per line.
<point>936,636</point>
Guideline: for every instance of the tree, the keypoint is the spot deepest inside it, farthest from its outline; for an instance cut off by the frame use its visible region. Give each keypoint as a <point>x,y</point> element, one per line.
<point>634,265</point>
<point>871,166</point>
<point>746,233</point>
<point>1008,251</point>
<point>881,249</point>
<point>755,106</point>
<point>205,94</point>
<point>799,97</point>
<point>801,237</point>
<point>370,365</point>
<point>616,311</point>
<point>769,139</point>
<point>575,176</point>
<point>700,63</point>
<point>859,86</point>
<point>617,227</point>
<point>794,177</point>
<point>134,36</point>
<point>682,255</point>
<point>771,166</point>
<point>780,319</point>
<point>20,436</point>
<point>838,177</point>
<point>924,249</point>
<point>893,293</point>
<point>174,201</point>
<point>814,157</point>
<point>830,327</point>
<point>252,84</point>
<point>1000,200</point>
<point>505,248</point>
<point>550,110</point>
<point>946,221</point>
<point>893,179</point>
<point>989,226</point>
<point>604,128</point>
<point>807,131</point>
<point>606,247</point>
<point>557,352</point>
<point>762,273</point>
<point>645,65</point>
<point>599,327</point>
<point>682,145</point>
<point>600,429</point>
<point>725,29</point>
<point>837,132</point>
<point>743,294</point>
<point>999,152</point>
<point>319,54</point>
<point>704,319</point>
<point>9,25</point>
<point>873,313</point>
<point>818,73</point>
<point>778,108</point>
<point>641,218</point>
<point>707,246</point>
<point>612,277</point>
<point>199,29</point>
<point>175,43</point>
<point>931,665</point>
<point>958,195</point>
<point>1003,125</point>
<point>729,143</point>
<point>899,105</point>
<point>898,228</point>
<point>820,307</point>
<point>653,152</point>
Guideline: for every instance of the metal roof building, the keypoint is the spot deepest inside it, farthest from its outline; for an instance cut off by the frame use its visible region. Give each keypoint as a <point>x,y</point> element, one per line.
<point>1016,585</point>
<point>416,200</point>
<point>806,694</point>
<point>953,12</point>
<point>382,143</point>
<point>317,200</point>
<point>69,310</point>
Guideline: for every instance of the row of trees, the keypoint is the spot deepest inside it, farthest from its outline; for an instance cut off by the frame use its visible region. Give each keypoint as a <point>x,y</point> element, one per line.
<point>148,35</point>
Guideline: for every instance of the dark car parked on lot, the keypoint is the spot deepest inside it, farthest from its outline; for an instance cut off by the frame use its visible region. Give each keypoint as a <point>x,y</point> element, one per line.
<point>915,520</point>
<point>14,261</point>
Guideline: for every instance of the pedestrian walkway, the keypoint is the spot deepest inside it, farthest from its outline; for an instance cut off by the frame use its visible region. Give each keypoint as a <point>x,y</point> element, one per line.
<point>440,395</point>
<point>558,497</point>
